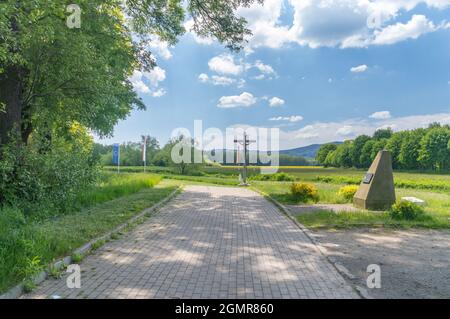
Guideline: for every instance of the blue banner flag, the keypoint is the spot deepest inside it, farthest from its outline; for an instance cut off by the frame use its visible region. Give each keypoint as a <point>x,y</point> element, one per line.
<point>116,154</point>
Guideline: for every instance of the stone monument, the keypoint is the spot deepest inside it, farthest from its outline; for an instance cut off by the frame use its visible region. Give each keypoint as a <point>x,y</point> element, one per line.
<point>377,191</point>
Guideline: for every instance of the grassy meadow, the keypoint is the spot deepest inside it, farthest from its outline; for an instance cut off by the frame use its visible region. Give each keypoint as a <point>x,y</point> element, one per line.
<point>27,245</point>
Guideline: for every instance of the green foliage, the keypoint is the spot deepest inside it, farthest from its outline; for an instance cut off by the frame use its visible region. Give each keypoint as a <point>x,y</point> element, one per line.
<point>304,192</point>
<point>348,192</point>
<point>77,258</point>
<point>34,176</point>
<point>434,148</point>
<point>290,160</point>
<point>383,134</point>
<point>356,150</point>
<point>22,237</point>
<point>407,211</point>
<point>416,149</point>
<point>130,153</point>
<point>55,272</point>
<point>323,152</point>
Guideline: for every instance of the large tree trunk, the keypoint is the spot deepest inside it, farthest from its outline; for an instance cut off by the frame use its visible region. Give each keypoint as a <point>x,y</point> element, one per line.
<point>11,91</point>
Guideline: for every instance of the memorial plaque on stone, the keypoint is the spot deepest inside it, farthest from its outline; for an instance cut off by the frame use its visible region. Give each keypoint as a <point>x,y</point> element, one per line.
<point>376,191</point>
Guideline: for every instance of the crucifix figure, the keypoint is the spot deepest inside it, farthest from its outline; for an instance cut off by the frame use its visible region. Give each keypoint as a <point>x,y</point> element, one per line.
<point>245,143</point>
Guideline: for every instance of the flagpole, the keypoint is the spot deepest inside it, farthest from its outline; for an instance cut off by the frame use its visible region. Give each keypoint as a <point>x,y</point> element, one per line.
<point>144,153</point>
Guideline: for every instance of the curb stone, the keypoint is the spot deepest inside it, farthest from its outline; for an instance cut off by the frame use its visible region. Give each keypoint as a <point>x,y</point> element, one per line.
<point>18,290</point>
<point>361,291</point>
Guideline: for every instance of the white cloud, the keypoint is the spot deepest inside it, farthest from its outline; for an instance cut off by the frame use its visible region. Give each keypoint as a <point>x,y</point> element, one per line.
<point>342,23</point>
<point>140,79</point>
<point>225,64</point>
<point>244,100</point>
<point>138,83</point>
<point>159,93</point>
<point>414,28</point>
<point>222,80</point>
<point>330,80</point>
<point>346,130</point>
<point>292,118</point>
<point>264,68</point>
<point>276,101</point>
<point>382,115</point>
<point>203,78</point>
<point>155,76</point>
<point>359,69</point>
<point>159,47</point>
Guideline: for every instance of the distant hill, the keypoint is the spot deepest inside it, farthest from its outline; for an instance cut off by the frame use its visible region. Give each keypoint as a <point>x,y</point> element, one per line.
<point>309,151</point>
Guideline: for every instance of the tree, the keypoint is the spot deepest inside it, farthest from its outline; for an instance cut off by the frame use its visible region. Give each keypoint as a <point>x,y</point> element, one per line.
<point>323,152</point>
<point>366,154</point>
<point>434,148</point>
<point>382,134</point>
<point>51,75</point>
<point>394,146</point>
<point>378,146</point>
<point>355,153</point>
<point>343,156</point>
<point>152,147</point>
<point>409,151</point>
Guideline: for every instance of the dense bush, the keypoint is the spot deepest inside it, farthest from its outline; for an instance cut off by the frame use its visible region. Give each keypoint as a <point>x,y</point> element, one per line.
<point>348,192</point>
<point>405,210</point>
<point>38,175</point>
<point>304,192</point>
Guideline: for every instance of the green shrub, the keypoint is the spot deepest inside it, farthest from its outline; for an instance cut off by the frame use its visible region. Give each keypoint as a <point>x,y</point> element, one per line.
<point>407,211</point>
<point>348,192</point>
<point>304,192</point>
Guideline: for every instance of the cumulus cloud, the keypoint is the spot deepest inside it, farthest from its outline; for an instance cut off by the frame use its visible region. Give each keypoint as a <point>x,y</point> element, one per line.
<point>276,101</point>
<point>414,28</point>
<point>342,23</point>
<point>382,115</point>
<point>225,64</point>
<point>148,82</point>
<point>244,100</point>
<point>292,118</point>
<point>359,69</point>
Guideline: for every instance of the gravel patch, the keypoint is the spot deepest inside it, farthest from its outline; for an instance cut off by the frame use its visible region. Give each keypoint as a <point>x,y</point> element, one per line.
<point>414,263</point>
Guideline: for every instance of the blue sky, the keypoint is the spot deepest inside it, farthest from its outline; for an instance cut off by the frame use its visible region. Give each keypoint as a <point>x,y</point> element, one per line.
<point>319,70</point>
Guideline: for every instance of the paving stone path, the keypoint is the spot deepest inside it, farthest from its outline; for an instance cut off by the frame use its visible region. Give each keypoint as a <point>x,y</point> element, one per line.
<point>209,242</point>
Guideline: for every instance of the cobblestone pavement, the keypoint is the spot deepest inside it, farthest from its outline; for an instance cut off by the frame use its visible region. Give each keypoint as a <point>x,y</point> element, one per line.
<point>209,242</point>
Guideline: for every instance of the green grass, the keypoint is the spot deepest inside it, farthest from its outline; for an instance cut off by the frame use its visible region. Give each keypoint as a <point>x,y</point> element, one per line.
<point>438,206</point>
<point>26,244</point>
<point>413,180</point>
<point>114,185</point>
<point>329,219</point>
<point>186,179</point>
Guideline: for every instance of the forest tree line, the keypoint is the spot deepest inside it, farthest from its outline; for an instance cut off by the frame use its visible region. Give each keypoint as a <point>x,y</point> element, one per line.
<point>418,149</point>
